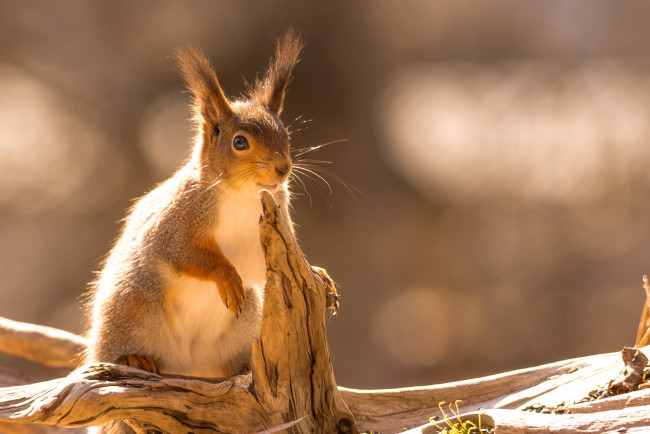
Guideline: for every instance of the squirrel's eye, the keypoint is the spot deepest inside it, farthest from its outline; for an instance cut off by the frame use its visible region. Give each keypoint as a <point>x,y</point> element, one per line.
<point>240,143</point>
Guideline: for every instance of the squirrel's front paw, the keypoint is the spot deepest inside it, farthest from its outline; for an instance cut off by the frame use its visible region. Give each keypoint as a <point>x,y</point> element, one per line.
<point>140,362</point>
<point>230,288</point>
<point>331,295</point>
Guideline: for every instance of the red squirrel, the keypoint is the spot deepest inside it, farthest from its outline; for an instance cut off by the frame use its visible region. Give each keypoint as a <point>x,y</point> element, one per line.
<point>181,291</point>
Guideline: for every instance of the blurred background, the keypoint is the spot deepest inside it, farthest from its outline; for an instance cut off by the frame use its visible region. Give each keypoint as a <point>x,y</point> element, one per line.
<point>501,149</point>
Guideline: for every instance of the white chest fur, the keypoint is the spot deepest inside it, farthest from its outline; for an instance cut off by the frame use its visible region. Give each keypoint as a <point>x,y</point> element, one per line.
<point>209,339</point>
<point>238,236</point>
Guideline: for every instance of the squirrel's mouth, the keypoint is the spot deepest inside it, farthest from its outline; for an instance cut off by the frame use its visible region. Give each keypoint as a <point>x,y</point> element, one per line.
<point>270,187</point>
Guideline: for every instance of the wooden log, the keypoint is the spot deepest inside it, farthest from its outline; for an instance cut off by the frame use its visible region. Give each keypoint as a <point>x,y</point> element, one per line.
<point>549,385</point>
<point>97,393</point>
<point>10,377</point>
<point>626,420</point>
<point>45,345</point>
<point>633,399</point>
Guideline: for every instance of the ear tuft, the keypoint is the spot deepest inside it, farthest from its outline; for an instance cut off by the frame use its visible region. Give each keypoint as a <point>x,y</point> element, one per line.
<point>210,103</point>
<point>270,90</point>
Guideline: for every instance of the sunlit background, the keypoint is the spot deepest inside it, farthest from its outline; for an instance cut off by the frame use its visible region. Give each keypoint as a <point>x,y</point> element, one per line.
<point>501,148</point>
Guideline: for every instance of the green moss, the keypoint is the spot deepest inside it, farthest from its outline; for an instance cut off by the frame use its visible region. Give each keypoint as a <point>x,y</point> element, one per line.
<point>459,426</point>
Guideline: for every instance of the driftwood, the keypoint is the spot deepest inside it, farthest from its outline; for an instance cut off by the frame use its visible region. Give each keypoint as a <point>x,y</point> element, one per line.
<point>291,385</point>
<point>627,420</point>
<point>560,384</point>
<point>102,392</point>
<point>41,344</point>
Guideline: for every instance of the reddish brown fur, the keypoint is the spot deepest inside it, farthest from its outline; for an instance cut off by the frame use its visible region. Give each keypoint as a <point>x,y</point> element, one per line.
<point>270,90</point>
<point>149,306</point>
<point>210,103</point>
<point>210,264</point>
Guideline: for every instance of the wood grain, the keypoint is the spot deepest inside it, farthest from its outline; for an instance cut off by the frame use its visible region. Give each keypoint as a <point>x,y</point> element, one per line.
<point>45,345</point>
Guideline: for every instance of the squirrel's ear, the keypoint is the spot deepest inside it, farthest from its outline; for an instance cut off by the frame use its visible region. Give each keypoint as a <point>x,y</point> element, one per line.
<point>270,90</point>
<point>210,104</point>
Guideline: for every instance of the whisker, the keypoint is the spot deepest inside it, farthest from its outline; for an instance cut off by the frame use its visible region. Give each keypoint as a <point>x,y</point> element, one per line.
<point>217,181</point>
<point>317,183</point>
<point>294,175</point>
<point>241,176</point>
<point>305,169</point>
<point>296,119</point>
<point>302,122</point>
<point>306,160</point>
<point>299,130</point>
<point>314,180</point>
<point>192,198</point>
<point>349,186</point>
<point>301,151</point>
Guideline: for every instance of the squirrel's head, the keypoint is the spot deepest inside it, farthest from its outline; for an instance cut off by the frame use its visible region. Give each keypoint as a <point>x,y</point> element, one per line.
<point>243,142</point>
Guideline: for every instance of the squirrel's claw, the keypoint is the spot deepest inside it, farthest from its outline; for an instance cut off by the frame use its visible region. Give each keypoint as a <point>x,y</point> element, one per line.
<point>231,289</point>
<point>332,301</point>
<point>140,362</point>
<point>331,294</point>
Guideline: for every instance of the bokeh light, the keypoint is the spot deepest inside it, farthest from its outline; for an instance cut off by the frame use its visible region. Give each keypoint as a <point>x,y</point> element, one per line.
<point>501,148</point>
<point>534,130</point>
<point>50,156</point>
<point>165,133</point>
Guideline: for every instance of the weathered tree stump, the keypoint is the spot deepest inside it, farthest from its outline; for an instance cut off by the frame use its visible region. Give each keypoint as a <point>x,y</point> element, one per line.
<point>291,379</point>
<point>292,371</point>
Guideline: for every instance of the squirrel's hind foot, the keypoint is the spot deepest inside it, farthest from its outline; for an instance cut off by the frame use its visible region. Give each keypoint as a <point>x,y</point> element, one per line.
<point>140,362</point>
<point>331,294</point>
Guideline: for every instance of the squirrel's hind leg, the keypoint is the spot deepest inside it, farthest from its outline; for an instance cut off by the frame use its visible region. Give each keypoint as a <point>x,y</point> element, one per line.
<point>140,362</point>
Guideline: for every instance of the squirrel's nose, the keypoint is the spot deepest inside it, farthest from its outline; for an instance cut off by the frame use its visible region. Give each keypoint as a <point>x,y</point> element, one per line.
<point>282,169</point>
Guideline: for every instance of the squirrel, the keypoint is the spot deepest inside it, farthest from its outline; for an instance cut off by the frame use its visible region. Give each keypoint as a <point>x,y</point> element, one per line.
<point>181,291</point>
